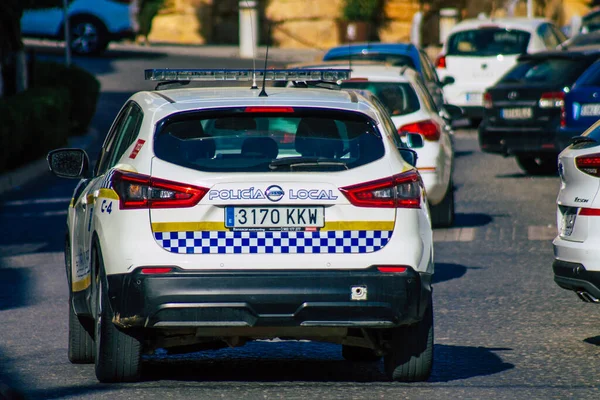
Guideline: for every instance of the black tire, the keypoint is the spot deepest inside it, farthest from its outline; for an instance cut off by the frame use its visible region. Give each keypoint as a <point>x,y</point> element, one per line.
<point>118,355</point>
<point>359,354</point>
<point>532,164</point>
<point>81,342</point>
<point>88,36</point>
<point>410,358</point>
<point>442,214</point>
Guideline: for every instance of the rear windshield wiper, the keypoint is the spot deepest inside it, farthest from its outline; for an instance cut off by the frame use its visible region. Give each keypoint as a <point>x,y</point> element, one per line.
<point>294,162</point>
<point>583,139</point>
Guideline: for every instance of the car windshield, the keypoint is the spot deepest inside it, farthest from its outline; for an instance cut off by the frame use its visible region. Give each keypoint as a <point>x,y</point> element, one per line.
<point>488,42</point>
<point>398,98</point>
<point>283,139</point>
<point>559,71</point>
<point>393,59</point>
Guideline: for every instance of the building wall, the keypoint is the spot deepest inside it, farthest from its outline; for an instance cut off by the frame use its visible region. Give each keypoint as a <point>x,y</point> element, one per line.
<point>314,23</point>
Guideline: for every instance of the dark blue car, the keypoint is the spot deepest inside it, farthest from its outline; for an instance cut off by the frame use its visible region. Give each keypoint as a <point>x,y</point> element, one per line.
<point>395,54</point>
<point>582,103</point>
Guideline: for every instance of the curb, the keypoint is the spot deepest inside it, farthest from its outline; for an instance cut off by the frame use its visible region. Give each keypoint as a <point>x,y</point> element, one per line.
<point>27,173</point>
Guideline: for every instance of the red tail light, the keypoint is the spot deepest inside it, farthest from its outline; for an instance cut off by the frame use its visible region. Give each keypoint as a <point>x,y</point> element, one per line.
<point>393,269</point>
<point>275,109</point>
<point>441,62</point>
<point>487,100</point>
<point>143,191</point>
<point>156,270</point>
<point>552,100</point>
<point>399,191</point>
<point>589,164</point>
<point>429,129</point>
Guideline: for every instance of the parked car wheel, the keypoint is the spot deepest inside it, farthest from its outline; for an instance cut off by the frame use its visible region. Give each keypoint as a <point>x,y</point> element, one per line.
<point>442,214</point>
<point>88,36</point>
<point>410,358</point>
<point>538,164</point>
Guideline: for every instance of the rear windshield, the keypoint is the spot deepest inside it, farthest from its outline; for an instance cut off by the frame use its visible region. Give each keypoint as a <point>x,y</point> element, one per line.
<point>397,98</point>
<point>392,59</point>
<point>488,42</point>
<point>241,140</point>
<point>557,71</point>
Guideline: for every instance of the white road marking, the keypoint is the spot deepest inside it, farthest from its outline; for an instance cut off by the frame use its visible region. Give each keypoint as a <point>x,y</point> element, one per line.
<point>454,235</point>
<point>544,232</point>
<point>14,203</point>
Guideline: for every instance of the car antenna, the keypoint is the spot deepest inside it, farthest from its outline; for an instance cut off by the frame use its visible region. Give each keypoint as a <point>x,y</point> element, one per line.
<point>254,86</point>
<point>263,93</point>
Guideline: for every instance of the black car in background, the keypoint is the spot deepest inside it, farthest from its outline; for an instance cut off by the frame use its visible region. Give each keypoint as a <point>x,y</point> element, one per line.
<point>524,110</point>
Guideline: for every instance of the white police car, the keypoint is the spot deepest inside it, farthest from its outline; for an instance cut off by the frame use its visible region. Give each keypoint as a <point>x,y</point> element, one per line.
<point>217,216</point>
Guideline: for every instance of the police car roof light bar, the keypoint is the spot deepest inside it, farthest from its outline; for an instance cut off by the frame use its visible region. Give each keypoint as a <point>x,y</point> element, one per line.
<point>212,75</point>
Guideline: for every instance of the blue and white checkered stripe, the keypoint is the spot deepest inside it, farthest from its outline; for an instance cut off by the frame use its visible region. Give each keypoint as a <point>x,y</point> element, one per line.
<point>107,180</point>
<point>272,242</point>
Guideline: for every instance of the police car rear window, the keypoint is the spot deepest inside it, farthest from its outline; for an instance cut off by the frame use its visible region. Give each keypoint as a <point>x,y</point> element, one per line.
<point>269,139</point>
<point>397,98</point>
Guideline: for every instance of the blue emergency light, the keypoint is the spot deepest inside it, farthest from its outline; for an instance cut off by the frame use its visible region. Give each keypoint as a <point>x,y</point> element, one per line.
<point>211,75</point>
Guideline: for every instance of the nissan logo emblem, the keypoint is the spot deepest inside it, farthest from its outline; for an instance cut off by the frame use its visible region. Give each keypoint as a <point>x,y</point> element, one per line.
<point>513,95</point>
<point>274,193</point>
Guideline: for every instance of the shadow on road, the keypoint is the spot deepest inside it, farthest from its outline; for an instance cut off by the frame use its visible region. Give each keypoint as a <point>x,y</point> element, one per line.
<point>471,220</point>
<point>462,153</point>
<point>463,362</point>
<point>593,340</point>
<point>446,272</point>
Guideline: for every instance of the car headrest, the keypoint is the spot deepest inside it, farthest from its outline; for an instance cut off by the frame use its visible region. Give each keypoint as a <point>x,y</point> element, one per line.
<point>263,147</point>
<point>318,137</point>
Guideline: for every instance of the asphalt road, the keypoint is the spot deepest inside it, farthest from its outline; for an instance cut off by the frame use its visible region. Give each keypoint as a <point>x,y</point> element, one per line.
<point>504,330</point>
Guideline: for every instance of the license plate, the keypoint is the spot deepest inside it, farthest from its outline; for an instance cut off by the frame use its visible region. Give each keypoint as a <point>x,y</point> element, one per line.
<point>476,98</point>
<point>517,113</point>
<point>274,218</point>
<point>590,110</point>
<point>568,222</point>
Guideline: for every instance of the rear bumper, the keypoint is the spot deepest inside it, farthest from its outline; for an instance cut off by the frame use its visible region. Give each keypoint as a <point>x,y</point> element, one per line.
<point>574,276</point>
<point>268,298</point>
<point>514,140</point>
<point>473,112</point>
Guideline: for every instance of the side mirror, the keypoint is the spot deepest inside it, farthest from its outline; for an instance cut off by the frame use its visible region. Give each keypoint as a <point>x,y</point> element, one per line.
<point>409,155</point>
<point>448,80</point>
<point>69,163</point>
<point>454,112</point>
<point>414,140</point>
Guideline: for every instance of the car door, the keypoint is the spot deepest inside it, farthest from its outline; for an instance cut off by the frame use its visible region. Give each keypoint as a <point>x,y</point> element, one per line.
<point>432,82</point>
<point>127,120</point>
<point>44,22</point>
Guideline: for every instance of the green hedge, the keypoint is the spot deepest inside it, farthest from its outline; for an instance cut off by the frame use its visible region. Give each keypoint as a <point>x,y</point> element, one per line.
<point>60,103</point>
<point>83,88</point>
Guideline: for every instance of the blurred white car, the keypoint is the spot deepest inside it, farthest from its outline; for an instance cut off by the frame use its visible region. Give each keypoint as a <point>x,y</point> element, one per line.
<point>412,110</point>
<point>93,24</point>
<point>479,51</point>
<point>576,251</point>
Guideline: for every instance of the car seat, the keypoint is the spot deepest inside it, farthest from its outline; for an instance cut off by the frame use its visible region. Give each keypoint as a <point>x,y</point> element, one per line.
<point>318,137</point>
<point>261,147</point>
